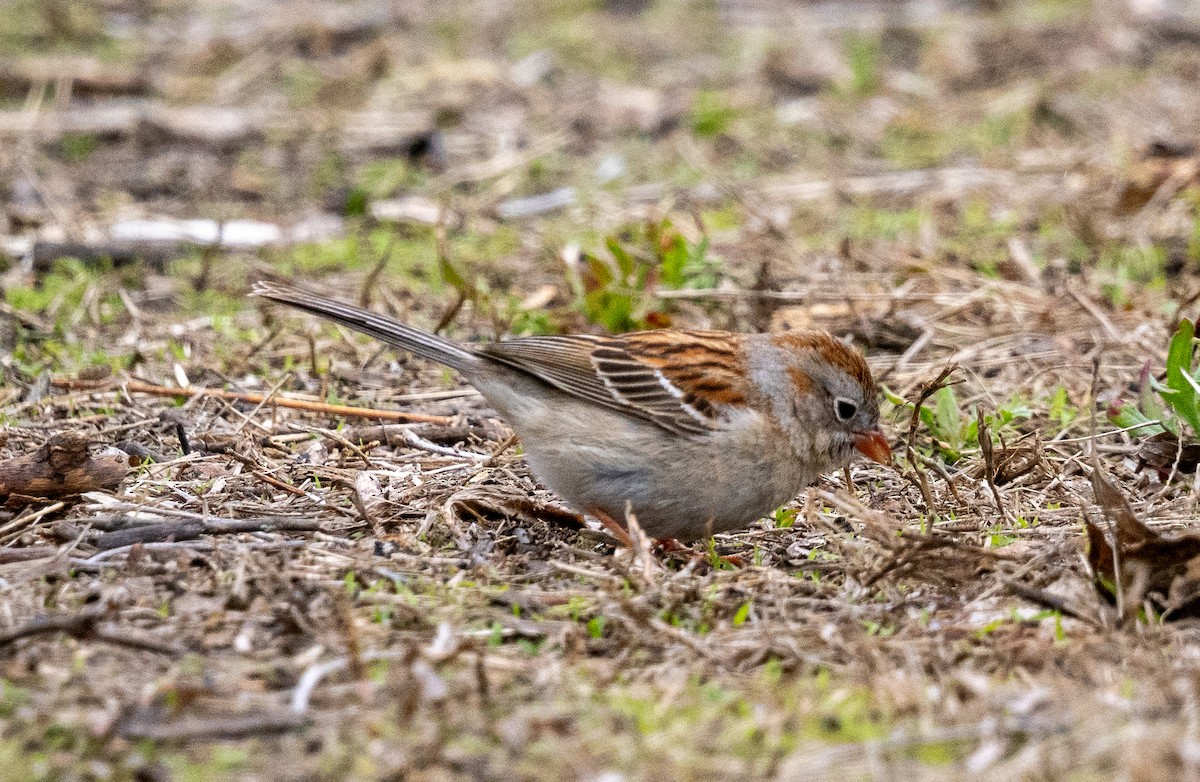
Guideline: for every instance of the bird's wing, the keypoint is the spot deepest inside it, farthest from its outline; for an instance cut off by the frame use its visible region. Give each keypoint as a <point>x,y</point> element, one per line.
<point>679,380</point>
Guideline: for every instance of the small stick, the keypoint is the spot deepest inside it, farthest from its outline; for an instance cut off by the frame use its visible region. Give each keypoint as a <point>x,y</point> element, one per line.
<point>83,626</point>
<point>10,555</point>
<point>416,441</point>
<point>1047,600</point>
<point>72,624</point>
<point>278,484</point>
<point>314,673</point>
<point>190,530</point>
<point>101,558</point>
<point>989,461</point>
<point>342,441</point>
<point>372,279</point>
<point>269,396</point>
<point>1098,485</point>
<point>138,386</point>
<point>940,469</point>
<point>16,528</point>
<point>1096,313</point>
<point>499,450</point>
<point>223,728</point>
<point>916,475</point>
<point>926,391</point>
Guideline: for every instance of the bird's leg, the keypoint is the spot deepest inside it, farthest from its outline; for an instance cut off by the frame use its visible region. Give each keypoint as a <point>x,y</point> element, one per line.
<point>668,545</point>
<point>613,526</point>
<point>672,545</point>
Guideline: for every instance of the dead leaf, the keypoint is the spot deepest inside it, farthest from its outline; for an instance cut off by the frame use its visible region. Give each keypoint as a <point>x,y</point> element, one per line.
<point>1172,165</point>
<point>1146,565</point>
<point>1162,453</point>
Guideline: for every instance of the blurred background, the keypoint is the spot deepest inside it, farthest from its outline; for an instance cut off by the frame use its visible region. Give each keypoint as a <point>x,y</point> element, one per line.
<point>489,151</point>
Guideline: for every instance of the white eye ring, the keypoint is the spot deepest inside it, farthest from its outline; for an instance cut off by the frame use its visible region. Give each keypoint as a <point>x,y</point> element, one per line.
<point>844,408</point>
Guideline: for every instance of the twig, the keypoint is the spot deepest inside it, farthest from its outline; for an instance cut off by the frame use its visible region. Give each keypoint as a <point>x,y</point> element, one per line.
<point>1098,484</point>
<point>10,555</point>
<point>139,387</point>
<point>940,469</point>
<point>73,624</point>
<point>278,484</point>
<point>915,546</point>
<point>329,434</point>
<point>16,528</point>
<point>313,675</point>
<point>415,440</point>
<point>1098,314</point>
<point>390,435</point>
<point>190,530</point>
<point>83,626</point>
<point>271,395</point>
<point>123,638</point>
<point>221,728</point>
<point>575,570</point>
<point>989,461</point>
<point>641,548</point>
<point>926,391</point>
<point>915,474</point>
<point>499,450</point>
<point>372,278</point>
<point>797,297</point>
<point>1048,600</point>
<point>98,559</point>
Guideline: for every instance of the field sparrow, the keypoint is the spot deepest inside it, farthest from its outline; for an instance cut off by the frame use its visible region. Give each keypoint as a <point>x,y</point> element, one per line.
<point>695,432</point>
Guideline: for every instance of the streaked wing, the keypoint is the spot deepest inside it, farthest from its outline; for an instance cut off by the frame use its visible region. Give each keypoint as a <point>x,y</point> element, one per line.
<point>679,380</point>
<point>563,362</point>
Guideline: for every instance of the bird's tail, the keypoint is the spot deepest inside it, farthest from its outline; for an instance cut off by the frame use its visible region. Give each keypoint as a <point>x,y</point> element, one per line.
<point>391,331</point>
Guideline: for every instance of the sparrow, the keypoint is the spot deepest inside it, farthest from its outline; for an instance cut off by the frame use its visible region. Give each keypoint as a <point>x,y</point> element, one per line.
<point>691,432</point>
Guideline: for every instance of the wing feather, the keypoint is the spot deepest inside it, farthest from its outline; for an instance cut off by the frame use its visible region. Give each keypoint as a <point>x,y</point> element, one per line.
<point>679,380</point>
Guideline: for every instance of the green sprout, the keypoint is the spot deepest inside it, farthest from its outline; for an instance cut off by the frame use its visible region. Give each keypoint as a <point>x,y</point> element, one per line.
<point>1165,406</point>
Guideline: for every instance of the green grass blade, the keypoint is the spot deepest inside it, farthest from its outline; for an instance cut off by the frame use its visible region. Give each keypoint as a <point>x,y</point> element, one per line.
<point>1179,376</point>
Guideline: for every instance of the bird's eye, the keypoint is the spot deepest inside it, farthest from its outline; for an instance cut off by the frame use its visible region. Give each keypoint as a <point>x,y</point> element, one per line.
<point>844,408</point>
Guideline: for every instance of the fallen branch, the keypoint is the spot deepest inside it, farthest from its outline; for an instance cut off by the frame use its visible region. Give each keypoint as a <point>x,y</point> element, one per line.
<point>83,626</point>
<point>89,77</point>
<point>74,624</point>
<point>156,255</point>
<point>190,530</point>
<point>101,558</point>
<point>63,467</point>
<point>219,728</point>
<point>395,435</point>
<point>138,387</point>
<point>9,555</point>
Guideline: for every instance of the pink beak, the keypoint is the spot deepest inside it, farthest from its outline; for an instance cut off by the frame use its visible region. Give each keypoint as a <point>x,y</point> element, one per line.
<point>874,446</point>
